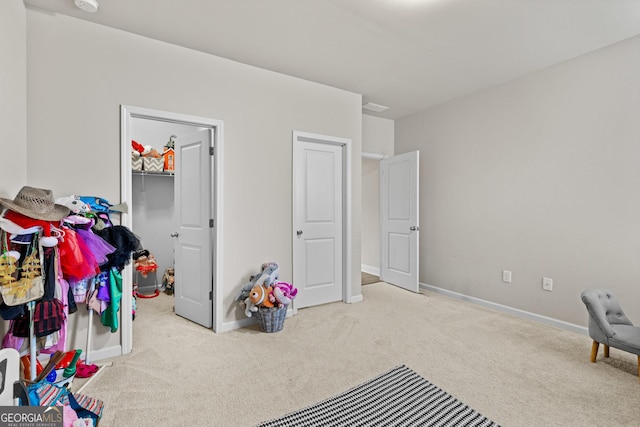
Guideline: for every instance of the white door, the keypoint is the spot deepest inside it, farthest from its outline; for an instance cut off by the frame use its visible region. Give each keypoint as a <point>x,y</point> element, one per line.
<point>399,220</point>
<point>318,222</point>
<point>193,227</point>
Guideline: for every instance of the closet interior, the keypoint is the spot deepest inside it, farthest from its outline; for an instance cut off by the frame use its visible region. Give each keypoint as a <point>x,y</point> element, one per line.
<point>152,199</point>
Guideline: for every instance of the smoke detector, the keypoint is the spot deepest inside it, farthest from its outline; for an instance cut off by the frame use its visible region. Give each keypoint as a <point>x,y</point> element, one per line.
<point>87,5</point>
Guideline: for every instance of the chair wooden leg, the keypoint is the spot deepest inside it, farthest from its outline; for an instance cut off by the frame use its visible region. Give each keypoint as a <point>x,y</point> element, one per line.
<point>594,350</point>
<point>606,350</point>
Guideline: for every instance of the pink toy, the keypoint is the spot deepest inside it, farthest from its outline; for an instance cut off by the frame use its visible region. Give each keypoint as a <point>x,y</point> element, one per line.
<point>283,293</point>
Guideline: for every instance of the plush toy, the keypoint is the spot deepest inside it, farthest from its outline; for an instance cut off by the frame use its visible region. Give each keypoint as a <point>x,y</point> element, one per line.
<point>149,151</point>
<point>249,307</point>
<point>260,296</point>
<point>283,293</point>
<point>243,295</point>
<point>136,146</point>
<point>266,277</point>
<point>168,280</point>
<point>74,204</point>
<point>144,150</point>
<point>144,262</point>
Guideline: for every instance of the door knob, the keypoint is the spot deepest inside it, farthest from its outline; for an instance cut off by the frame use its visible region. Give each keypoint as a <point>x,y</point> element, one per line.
<point>174,234</point>
<point>414,228</point>
<point>299,232</point>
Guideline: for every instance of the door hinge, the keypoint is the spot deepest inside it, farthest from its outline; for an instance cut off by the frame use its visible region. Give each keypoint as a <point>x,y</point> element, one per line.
<point>210,295</point>
<point>211,223</point>
<point>211,151</point>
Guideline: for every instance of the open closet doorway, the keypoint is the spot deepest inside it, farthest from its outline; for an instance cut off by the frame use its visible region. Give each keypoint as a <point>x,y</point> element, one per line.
<point>391,232</point>
<point>160,202</point>
<point>370,239</point>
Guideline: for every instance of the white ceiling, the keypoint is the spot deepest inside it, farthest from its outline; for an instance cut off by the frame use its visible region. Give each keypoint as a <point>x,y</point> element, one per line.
<point>405,54</point>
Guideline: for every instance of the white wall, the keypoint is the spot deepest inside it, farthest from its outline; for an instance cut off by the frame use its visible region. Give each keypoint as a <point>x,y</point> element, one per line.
<point>79,75</point>
<point>377,138</point>
<point>540,176</point>
<point>13,97</point>
<point>377,135</point>
<point>13,101</point>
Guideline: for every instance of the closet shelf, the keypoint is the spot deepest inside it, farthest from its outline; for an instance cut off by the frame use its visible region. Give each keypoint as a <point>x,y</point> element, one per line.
<point>147,173</point>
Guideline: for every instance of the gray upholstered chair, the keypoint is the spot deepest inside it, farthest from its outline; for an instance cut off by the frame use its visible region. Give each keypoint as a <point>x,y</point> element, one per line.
<point>609,325</point>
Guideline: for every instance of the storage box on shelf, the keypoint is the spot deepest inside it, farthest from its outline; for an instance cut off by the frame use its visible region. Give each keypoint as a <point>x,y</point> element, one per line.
<point>136,161</point>
<point>152,164</point>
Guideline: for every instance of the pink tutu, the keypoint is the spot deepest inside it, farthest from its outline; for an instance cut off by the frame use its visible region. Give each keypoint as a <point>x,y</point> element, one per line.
<point>76,260</point>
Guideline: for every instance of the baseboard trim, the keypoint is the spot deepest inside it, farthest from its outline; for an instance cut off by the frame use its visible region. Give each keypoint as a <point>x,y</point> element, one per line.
<point>510,310</point>
<point>369,269</point>
<point>236,324</point>
<point>105,353</point>
<point>355,299</point>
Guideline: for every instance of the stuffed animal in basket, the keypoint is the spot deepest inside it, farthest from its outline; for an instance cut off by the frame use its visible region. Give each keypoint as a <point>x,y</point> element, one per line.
<point>260,296</point>
<point>267,276</point>
<point>283,293</point>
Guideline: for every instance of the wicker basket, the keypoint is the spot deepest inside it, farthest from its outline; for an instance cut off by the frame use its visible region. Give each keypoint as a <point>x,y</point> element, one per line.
<point>271,319</point>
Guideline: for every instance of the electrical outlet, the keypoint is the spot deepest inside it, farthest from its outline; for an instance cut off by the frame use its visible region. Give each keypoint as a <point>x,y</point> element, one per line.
<point>547,284</point>
<point>506,276</point>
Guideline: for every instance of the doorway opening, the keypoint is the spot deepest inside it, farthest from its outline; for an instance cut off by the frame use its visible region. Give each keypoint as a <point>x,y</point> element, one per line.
<point>168,124</point>
<point>391,228</point>
<point>370,220</point>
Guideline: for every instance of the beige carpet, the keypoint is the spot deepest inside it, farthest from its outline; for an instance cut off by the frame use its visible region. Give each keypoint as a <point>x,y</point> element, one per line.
<point>367,279</point>
<point>513,371</point>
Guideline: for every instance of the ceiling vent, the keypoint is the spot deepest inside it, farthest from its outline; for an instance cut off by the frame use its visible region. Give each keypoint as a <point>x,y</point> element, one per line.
<point>370,106</point>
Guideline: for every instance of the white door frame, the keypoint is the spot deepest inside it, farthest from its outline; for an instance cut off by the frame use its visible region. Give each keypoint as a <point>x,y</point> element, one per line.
<point>127,113</point>
<point>346,145</point>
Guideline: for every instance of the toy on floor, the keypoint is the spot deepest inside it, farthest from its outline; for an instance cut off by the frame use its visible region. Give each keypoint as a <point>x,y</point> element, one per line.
<point>86,371</point>
<point>65,370</point>
<point>168,281</point>
<point>268,275</point>
<point>283,293</point>
<point>134,304</point>
<point>144,262</point>
<point>260,296</point>
<point>264,290</point>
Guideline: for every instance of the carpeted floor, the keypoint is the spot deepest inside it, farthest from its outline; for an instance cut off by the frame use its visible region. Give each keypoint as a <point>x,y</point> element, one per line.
<point>399,397</point>
<point>368,279</point>
<point>513,371</point>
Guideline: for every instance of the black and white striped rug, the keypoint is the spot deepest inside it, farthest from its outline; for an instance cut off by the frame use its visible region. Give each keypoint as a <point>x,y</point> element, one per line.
<point>399,397</point>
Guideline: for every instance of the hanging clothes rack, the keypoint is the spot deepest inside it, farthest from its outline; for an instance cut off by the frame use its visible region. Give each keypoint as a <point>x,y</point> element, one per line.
<point>92,287</point>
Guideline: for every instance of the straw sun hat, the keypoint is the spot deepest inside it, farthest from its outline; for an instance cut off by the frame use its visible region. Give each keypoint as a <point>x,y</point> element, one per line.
<point>36,203</point>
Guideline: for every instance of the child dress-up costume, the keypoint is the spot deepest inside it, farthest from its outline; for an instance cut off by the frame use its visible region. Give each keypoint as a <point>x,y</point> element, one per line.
<point>76,249</point>
<point>125,243</point>
<point>112,246</point>
<point>34,209</point>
